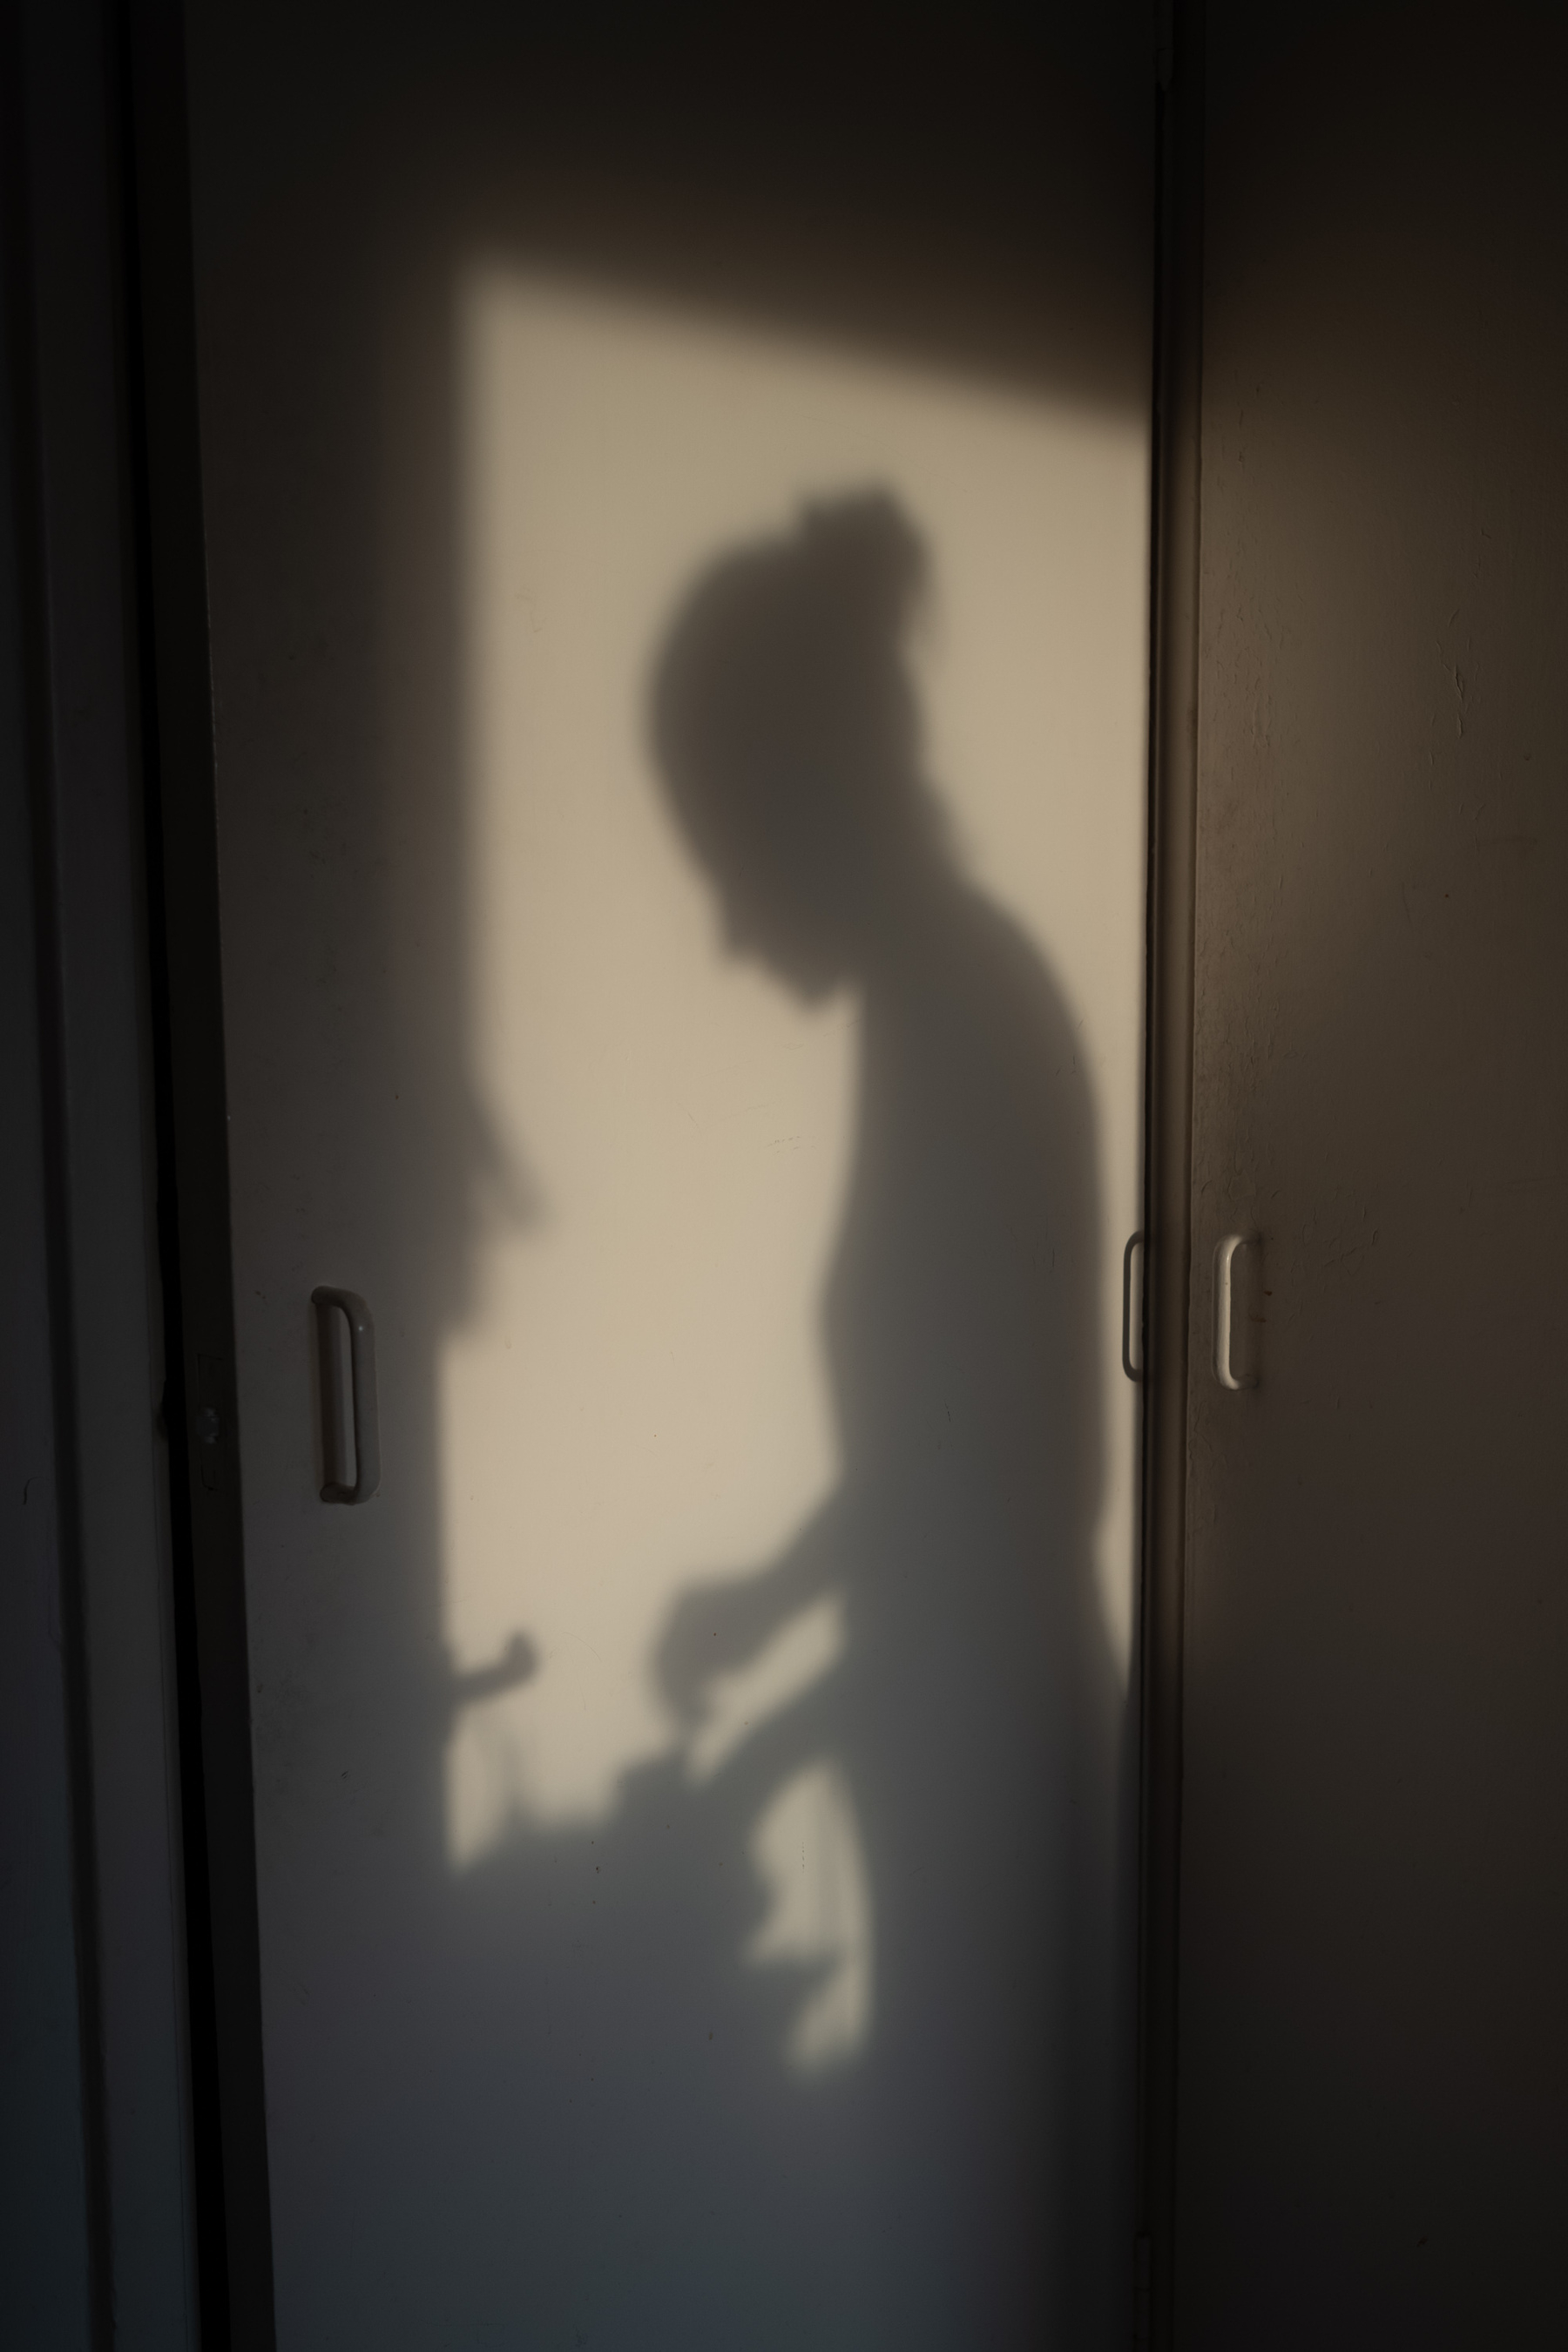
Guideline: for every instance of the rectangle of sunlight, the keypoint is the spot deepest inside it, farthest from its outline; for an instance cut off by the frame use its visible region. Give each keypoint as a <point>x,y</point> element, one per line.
<point>640,1398</point>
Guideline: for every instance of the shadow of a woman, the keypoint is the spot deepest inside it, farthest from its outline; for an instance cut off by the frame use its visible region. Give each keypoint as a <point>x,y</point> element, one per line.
<point>973,1714</point>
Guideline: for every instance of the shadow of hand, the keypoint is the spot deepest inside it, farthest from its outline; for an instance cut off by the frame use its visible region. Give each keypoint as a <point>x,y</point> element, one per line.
<point>712,1630</point>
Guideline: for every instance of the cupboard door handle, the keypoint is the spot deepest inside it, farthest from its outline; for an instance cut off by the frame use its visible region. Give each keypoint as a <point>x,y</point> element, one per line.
<point>362,1385</point>
<point>1223,1255</point>
<point>1134,1372</point>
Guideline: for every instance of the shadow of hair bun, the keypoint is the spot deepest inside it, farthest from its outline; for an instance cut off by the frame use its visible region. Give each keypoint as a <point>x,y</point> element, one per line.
<point>863,549</point>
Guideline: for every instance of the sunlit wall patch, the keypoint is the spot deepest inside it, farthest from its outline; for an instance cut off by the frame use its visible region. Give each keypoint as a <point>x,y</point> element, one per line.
<point>807,1852</point>
<point>638,1402</point>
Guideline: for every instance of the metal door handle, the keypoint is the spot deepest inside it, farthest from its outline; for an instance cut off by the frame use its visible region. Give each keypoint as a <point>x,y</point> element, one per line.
<point>1134,1372</point>
<point>1223,1255</point>
<point>361,1386</point>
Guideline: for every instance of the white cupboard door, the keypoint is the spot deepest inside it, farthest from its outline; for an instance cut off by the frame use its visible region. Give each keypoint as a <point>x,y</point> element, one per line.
<point>677,543</point>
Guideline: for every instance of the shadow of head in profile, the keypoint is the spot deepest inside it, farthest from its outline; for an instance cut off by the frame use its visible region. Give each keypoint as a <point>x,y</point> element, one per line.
<point>970,1717</point>
<point>786,731</point>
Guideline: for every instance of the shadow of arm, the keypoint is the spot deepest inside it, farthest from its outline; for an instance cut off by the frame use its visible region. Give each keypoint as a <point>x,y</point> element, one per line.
<point>720,1626</point>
